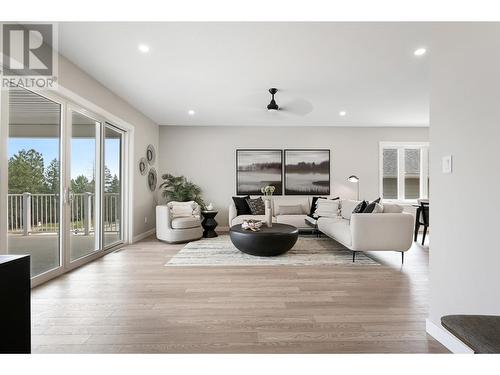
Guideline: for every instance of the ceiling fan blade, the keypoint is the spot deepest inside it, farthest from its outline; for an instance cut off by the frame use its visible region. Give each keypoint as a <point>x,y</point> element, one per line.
<point>299,107</point>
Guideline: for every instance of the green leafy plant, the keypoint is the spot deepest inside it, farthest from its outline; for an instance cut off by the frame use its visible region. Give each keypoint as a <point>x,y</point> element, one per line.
<point>178,188</point>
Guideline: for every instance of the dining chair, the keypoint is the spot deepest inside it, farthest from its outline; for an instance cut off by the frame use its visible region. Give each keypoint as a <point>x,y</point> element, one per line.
<point>422,218</point>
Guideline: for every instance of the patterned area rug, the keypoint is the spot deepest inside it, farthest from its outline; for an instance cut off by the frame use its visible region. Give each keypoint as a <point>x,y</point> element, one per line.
<point>308,251</point>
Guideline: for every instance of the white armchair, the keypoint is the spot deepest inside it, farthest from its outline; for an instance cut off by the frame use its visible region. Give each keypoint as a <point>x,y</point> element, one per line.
<point>175,229</point>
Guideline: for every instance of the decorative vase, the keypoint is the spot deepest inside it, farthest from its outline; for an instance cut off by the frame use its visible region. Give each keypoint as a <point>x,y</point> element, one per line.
<point>268,213</point>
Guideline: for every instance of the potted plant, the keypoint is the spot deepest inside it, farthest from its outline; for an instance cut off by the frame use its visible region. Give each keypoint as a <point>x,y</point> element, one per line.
<point>268,191</point>
<point>178,188</point>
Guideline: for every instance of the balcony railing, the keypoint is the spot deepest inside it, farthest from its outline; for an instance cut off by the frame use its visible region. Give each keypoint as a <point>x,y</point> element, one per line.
<point>39,213</point>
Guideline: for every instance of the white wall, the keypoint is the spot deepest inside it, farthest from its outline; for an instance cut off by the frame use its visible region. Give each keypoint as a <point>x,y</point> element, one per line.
<point>145,132</point>
<point>206,155</point>
<point>465,122</point>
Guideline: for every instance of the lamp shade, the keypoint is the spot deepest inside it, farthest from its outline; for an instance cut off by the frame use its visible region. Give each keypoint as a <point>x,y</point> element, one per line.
<point>353,178</point>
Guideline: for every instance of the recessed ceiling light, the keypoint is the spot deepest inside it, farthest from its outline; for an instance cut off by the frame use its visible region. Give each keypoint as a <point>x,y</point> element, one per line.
<point>144,48</point>
<point>342,113</point>
<point>191,112</point>
<point>420,51</point>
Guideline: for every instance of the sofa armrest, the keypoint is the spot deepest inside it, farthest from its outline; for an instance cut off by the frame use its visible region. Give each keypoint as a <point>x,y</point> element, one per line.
<point>232,213</point>
<point>392,232</point>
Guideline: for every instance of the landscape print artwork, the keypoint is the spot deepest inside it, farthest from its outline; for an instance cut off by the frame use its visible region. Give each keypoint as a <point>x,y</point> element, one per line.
<point>307,172</point>
<point>256,169</point>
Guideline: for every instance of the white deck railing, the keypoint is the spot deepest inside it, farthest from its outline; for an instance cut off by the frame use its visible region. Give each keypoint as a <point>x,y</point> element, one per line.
<point>39,213</point>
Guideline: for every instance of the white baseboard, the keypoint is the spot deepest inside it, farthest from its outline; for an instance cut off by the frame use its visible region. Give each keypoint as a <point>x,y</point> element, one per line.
<point>143,235</point>
<point>446,338</point>
<point>222,229</point>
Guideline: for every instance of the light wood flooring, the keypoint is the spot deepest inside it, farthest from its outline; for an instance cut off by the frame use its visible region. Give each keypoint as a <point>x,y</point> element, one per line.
<point>129,302</point>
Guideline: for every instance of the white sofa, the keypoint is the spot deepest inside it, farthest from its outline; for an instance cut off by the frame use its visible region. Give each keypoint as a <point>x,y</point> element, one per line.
<point>177,229</point>
<point>390,230</point>
<point>297,220</point>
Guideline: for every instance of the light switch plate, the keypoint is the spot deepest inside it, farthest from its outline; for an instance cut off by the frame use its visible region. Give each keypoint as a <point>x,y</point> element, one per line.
<point>447,164</point>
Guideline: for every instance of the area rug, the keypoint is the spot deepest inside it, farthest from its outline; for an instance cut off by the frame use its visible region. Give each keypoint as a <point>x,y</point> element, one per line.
<point>308,251</point>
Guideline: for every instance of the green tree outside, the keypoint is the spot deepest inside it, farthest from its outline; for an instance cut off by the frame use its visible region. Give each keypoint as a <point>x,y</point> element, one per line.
<point>26,172</point>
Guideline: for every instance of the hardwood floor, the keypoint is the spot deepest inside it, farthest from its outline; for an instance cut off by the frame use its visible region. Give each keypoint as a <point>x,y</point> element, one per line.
<point>129,302</point>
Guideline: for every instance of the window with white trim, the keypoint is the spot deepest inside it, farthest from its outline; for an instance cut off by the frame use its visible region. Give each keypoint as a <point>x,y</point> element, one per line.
<point>404,170</point>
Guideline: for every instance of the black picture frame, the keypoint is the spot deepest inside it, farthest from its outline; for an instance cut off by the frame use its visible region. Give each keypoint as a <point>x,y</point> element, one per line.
<point>323,187</point>
<point>240,190</point>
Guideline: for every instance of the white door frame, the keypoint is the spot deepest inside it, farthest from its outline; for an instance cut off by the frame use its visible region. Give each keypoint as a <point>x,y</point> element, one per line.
<point>4,165</point>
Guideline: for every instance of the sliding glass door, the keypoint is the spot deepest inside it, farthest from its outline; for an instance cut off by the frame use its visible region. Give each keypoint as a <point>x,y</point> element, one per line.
<point>112,206</point>
<point>34,183</point>
<point>65,172</point>
<point>84,180</point>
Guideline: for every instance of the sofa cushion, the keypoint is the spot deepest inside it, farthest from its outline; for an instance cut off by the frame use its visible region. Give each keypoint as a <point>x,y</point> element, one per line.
<point>241,205</point>
<point>346,208</point>
<point>328,208</point>
<point>185,222</point>
<point>291,201</point>
<point>313,205</point>
<point>298,221</point>
<point>293,209</point>
<point>181,210</point>
<point>392,208</point>
<point>239,219</point>
<point>256,205</point>
<point>337,228</point>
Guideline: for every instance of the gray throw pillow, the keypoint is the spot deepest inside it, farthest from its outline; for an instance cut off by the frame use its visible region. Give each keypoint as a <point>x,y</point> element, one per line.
<point>257,206</point>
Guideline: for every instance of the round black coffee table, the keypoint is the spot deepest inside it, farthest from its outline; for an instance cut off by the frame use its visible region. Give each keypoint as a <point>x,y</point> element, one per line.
<point>266,242</point>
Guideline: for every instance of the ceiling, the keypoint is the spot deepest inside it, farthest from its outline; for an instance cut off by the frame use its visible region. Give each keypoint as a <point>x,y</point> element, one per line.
<point>223,71</point>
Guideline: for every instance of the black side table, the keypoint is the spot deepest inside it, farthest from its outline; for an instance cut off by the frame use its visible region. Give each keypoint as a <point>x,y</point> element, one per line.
<point>209,224</point>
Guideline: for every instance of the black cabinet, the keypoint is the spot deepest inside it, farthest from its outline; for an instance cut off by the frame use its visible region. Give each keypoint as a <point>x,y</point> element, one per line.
<point>15,304</point>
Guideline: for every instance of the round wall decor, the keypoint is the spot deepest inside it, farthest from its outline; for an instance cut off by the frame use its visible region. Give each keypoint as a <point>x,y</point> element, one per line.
<point>151,154</point>
<point>143,166</point>
<point>152,179</point>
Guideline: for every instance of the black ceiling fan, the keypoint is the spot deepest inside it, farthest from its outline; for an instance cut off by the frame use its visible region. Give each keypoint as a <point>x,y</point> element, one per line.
<point>293,106</point>
<point>273,106</point>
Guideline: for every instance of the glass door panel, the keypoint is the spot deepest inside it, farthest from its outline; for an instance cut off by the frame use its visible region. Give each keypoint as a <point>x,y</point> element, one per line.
<point>34,214</point>
<point>112,202</point>
<point>84,235</point>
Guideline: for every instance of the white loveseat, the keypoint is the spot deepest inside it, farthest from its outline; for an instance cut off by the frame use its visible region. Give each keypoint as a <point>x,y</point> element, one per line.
<point>390,230</point>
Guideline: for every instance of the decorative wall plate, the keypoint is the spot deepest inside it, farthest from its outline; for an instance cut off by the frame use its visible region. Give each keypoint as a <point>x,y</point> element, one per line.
<point>143,166</point>
<point>152,179</point>
<point>151,154</point>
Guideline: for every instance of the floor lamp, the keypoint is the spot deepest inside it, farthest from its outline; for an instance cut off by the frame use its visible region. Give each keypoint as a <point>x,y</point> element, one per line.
<point>354,179</point>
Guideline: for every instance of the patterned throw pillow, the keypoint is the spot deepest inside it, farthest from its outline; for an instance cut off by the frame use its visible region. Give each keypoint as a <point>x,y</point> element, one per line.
<point>257,206</point>
<point>371,206</point>
<point>360,207</point>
